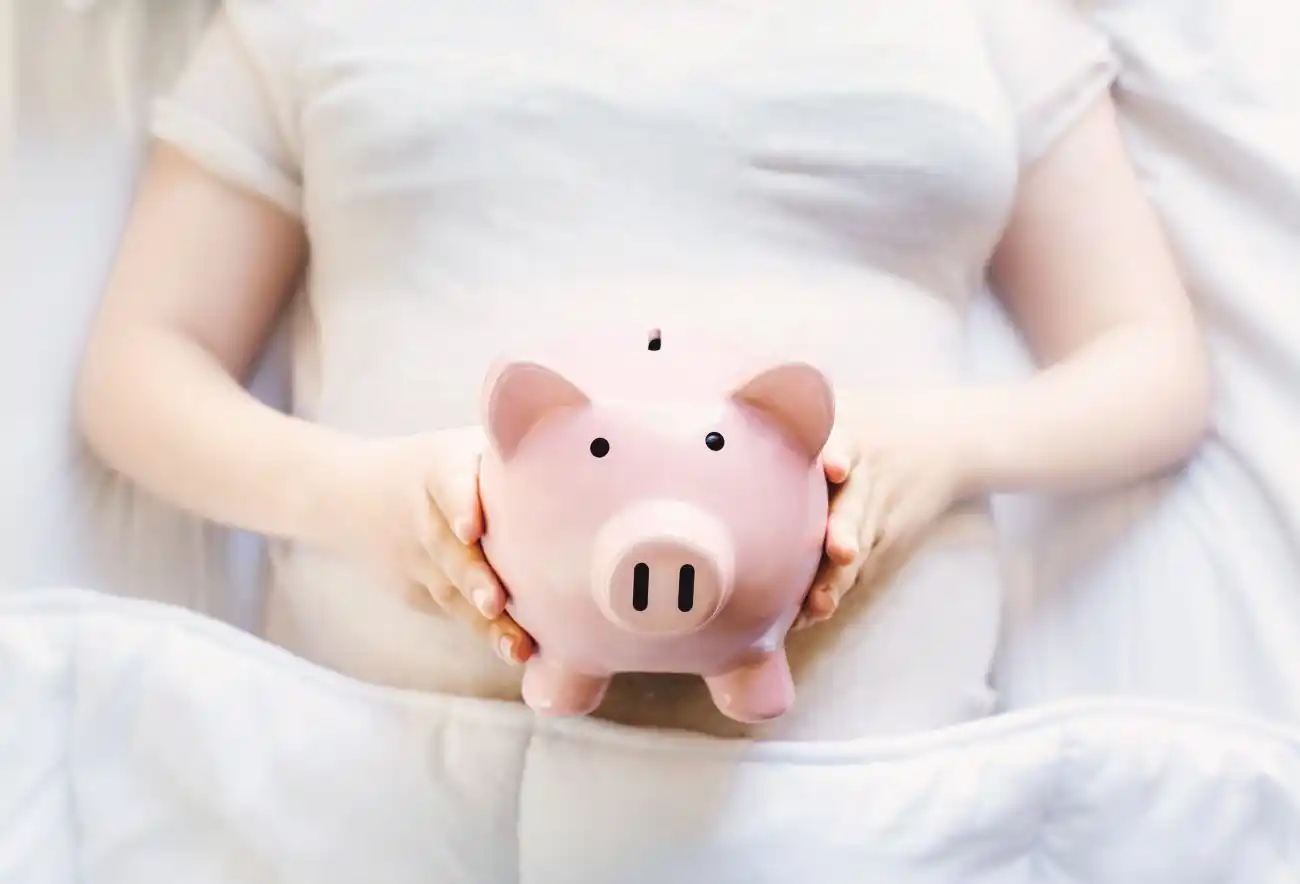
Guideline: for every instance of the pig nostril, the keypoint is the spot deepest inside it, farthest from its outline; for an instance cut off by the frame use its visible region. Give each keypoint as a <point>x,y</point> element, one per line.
<point>686,588</point>
<point>641,586</point>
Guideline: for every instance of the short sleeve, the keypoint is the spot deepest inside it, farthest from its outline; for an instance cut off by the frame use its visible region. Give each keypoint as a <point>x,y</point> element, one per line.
<point>1052,64</point>
<point>232,110</point>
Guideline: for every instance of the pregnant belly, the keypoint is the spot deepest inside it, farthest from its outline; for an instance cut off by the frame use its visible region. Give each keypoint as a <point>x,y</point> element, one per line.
<point>343,619</point>
<point>908,653</point>
<point>391,362</point>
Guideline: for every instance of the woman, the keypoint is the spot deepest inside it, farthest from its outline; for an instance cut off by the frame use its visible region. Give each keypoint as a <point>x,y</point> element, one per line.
<point>829,182</point>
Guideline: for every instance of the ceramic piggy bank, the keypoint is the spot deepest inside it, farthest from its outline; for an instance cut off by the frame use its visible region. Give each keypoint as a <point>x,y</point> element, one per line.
<point>655,504</point>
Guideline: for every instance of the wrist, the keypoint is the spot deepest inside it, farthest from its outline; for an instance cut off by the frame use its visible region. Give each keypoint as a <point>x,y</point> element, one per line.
<point>960,423</point>
<point>985,436</point>
<point>964,427</point>
<point>975,446</point>
<point>318,485</point>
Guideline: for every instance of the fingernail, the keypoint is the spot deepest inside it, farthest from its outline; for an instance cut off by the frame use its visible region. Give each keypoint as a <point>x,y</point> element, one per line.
<point>483,600</point>
<point>506,649</point>
<point>461,528</point>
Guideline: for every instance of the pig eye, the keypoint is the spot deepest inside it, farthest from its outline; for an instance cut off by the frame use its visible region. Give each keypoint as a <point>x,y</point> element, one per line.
<point>599,446</point>
<point>714,441</point>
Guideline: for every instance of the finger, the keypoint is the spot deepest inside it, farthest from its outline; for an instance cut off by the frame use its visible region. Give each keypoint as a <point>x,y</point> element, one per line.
<point>511,643</point>
<point>839,457</point>
<point>879,527</point>
<point>810,607</point>
<point>463,566</point>
<point>818,604</point>
<point>841,573</point>
<point>824,598</point>
<point>507,638</point>
<point>820,601</point>
<point>850,508</point>
<point>470,573</point>
<point>436,593</point>
<point>455,494</point>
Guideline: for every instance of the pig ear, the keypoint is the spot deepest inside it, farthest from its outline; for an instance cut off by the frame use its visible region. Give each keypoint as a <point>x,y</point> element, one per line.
<point>519,394</point>
<point>796,397</point>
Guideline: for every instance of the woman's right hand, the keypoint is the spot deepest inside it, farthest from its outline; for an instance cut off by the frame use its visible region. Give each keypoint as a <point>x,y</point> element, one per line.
<point>409,506</point>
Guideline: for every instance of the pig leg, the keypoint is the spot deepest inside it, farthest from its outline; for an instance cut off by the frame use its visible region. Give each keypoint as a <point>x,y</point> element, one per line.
<point>760,690</point>
<point>551,688</point>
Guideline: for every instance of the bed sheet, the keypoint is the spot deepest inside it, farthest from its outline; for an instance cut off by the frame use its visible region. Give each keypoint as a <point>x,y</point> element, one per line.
<point>161,746</point>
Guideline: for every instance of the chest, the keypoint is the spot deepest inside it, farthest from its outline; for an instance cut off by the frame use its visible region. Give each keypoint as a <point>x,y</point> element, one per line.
<point>872,116</point>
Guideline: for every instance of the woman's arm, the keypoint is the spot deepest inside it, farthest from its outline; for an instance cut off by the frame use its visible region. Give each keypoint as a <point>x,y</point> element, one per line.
<point>201,278</point>
<point>1123,389</point>
<point>1085,273</point>
<point>203,272</point>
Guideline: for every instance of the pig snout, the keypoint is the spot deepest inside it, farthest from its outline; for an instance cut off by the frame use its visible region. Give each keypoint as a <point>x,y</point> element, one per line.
<point>662,568</point>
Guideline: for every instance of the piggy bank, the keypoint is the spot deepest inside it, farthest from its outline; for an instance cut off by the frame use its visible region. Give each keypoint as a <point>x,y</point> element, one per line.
<point>655,503</point>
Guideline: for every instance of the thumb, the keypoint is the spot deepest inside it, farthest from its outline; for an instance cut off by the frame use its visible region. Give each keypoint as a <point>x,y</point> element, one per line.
<point>454,491</point>
<point>849,514</point>
<point>839,457</point>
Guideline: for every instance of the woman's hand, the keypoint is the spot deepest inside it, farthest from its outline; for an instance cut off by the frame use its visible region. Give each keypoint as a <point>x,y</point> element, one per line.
<point>409,506</point>
<point>891,478</point>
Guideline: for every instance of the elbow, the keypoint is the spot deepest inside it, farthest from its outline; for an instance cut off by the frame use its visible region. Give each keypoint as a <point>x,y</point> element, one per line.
<point>97,409</point>
<point>1185,391</point>
<point>90,395</point>
<point>1190,426</point>
<point>1200,418</point>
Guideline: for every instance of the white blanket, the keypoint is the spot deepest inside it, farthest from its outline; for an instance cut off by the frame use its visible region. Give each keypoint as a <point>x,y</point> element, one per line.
<point>143,744</point>
<point>155,746</point>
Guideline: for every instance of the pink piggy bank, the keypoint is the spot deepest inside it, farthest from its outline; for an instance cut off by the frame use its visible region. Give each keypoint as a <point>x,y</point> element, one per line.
<point>655,506</point>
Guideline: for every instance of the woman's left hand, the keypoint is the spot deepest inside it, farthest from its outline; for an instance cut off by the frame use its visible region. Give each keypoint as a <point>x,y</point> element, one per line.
<point>890,481</point>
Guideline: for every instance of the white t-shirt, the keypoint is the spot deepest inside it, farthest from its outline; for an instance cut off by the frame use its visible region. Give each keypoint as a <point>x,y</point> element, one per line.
<point>823,180</point>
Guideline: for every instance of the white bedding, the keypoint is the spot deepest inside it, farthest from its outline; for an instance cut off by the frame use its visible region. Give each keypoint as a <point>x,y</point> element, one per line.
<point>143,744</point>
<point>159,747</point>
